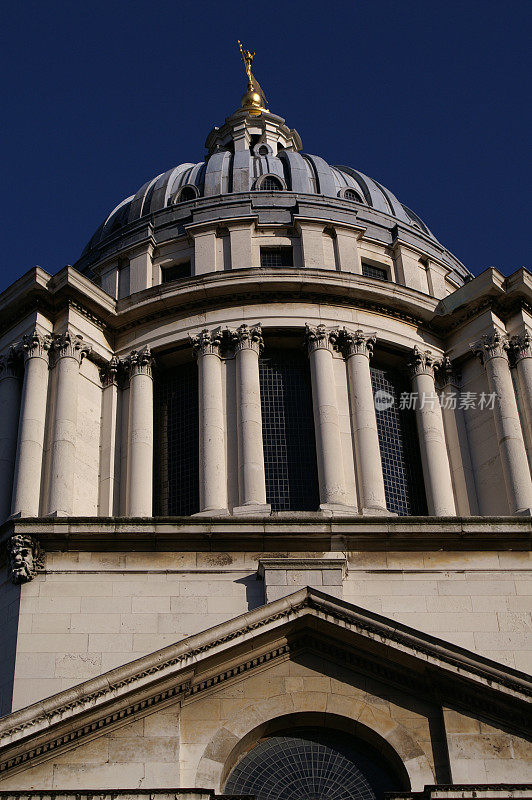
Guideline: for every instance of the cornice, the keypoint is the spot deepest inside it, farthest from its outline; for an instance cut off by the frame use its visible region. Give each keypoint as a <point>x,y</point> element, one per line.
<point>289,532</point>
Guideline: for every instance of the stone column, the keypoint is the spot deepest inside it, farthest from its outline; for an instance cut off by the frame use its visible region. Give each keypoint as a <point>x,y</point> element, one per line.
<point>358,348</point>
<point>30,442</point>
<point>212,458</point>
<point>492,350</point>
<point>68,350</point>
<point>521,352</point>
<point>449,382</point>
<point>331,476</point>
<point>139,492</point>
<point>434,458</point>
<point>108,490</point>
<point>9,413</point>
<point>251,477</point>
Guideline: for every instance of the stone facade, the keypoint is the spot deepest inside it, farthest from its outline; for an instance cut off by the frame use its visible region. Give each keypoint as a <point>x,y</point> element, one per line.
<point>147,653</point>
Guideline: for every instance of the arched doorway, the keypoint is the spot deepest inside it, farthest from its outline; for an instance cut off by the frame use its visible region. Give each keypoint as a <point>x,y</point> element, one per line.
<point>313,763</point>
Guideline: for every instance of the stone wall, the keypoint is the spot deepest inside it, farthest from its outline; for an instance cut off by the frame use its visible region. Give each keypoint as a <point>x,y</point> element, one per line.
<point>90,612</point>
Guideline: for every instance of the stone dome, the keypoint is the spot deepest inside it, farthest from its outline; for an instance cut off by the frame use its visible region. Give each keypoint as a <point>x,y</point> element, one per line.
<point>255,165</point>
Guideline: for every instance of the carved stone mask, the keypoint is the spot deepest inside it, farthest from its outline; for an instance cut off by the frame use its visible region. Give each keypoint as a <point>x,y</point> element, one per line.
<point>24,558</point>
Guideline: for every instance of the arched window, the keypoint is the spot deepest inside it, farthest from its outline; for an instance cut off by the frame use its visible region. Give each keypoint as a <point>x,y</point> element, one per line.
<point>270,184</point>
<point>351,194</point>
<point>288,431</point>
<point>176,460</point>
<point>187,193</point>
<point>312,764</point>
<point>263,150</point>
<point>401,460</point>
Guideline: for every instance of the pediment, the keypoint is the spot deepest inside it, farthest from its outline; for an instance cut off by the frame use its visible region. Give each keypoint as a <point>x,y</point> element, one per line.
<point>306,621</point>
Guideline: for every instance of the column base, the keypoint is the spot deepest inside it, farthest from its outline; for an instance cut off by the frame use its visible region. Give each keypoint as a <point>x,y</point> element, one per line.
<point>375,511</point>
<point>253,509</point>
<point>58,514</point>
<point>212,512</point>
<point>338,510</point>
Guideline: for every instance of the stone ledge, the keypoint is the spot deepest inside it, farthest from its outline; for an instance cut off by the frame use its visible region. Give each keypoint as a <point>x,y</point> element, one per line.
<point>290,533</point>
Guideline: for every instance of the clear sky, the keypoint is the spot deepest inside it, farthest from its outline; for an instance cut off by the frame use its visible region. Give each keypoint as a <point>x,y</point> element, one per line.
<point>431,98</point>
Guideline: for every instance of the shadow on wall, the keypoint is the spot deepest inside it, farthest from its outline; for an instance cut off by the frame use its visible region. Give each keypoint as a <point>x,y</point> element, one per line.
<point>9,611</point>
<point>255,589</point>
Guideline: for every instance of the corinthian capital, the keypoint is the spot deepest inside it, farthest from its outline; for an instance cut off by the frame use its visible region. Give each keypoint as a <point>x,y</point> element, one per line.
<point>69,345</point>
<point>357,343</point>
<point>109,372</point>
<point>207,342</point>
<point>491,345</point>
<point>35,346</point>
<point>318,337</point>
<point>9,364</point>
<point>421,363</point>
<point>447,373</point>
<point>248,338</point>
<point>24,558</point>
<point>521,347</point>
<point>140,362</point>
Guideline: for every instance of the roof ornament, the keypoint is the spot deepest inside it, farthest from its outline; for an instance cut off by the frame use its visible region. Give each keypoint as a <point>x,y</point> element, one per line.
<point>254,101</point>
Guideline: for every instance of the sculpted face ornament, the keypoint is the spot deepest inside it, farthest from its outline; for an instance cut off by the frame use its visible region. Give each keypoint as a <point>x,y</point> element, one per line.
<point>24,557</point>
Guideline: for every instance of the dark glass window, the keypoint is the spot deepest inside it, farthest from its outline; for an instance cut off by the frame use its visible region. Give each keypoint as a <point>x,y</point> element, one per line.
<point>380,273</point>
<point>176,271</point>
<point>176,488</point>
<point>187,193</point>
<point>270,184</point>
<point>401,459</point>
<point>276,257</point>
<point>288,431</point>
<point>312,764</point>
<point>351,194</point>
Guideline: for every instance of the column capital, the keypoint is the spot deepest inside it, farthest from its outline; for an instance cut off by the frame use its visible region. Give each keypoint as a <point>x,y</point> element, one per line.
<point>69,345</point>
<point>24,557</point>
<point>10,363</point>
<point>207,342</point>
<point>421,362</point>
<point>448,374</point>
<point>357,343</point>
<point>109,372</point>
<point>318,337</point>
<point>34,345</point>
<point>140,362</point>
<point>248,338</point>
<point>491,345</point>
<point>520,347</point>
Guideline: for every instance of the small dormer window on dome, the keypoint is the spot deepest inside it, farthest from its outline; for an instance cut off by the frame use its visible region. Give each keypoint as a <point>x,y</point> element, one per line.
<point>270,184</point>
<point>352,194</point>
<point>187,193</point>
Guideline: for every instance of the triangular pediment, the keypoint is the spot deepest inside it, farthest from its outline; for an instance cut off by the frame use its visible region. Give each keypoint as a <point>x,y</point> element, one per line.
<point>307,620</point>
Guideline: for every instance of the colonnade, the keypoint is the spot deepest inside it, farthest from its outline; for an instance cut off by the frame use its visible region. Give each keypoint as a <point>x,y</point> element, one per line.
<point>23,409</point>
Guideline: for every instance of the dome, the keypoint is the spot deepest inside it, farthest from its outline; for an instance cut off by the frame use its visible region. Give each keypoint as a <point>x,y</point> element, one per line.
<point>260,161</point>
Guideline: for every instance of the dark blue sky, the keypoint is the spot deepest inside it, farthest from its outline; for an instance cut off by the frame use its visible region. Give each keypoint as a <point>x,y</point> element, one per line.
<point>431,98</point>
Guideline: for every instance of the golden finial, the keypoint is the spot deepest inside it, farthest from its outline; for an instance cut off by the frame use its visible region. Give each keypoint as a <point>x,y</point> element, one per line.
<point>254,101</point>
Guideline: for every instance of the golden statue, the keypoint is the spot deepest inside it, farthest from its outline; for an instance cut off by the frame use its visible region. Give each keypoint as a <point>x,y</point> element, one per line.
<point>254,101</point>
